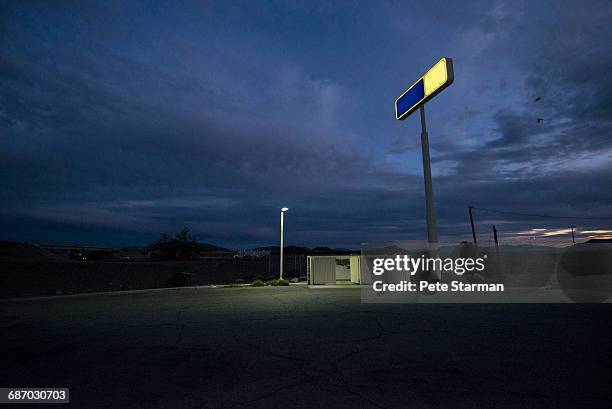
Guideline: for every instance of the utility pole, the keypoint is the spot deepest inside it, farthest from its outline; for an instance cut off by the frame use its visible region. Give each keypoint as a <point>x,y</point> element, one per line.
<point>495,236</point>
<point>573,238</point>
<point>472,223</point>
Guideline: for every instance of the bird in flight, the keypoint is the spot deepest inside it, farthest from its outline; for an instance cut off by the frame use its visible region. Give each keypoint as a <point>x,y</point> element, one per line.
<point>538,98</point>
<point>540,120</point>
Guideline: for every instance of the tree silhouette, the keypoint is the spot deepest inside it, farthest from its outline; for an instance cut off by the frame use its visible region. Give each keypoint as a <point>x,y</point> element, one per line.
<point>182,246</point>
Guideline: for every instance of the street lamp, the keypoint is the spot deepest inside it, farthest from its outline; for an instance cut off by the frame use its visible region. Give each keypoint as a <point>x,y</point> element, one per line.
<point>282,233</point>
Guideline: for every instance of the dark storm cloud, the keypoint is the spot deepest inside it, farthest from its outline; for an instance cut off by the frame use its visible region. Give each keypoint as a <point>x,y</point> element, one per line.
<point>121,121</point>
<point>564,62</point>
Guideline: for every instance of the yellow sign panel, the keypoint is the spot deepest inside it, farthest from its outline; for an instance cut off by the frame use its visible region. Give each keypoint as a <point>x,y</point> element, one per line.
<point>436,77</point>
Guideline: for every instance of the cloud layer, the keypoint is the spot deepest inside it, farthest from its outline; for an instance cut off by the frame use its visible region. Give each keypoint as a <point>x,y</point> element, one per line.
<point>118,122</point>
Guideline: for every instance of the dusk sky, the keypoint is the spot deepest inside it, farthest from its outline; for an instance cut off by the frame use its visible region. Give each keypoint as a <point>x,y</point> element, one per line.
<point>122,121</point>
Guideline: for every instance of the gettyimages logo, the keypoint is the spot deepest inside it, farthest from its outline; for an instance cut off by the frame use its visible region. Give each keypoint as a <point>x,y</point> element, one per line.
<point>400,272</point>
<point>412,265</point>
<point>426,274</point>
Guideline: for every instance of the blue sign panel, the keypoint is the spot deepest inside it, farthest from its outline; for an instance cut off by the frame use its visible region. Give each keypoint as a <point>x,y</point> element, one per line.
<point>414,95</point>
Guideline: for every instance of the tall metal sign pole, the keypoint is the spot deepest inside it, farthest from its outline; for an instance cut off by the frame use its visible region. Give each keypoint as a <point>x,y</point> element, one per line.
<point>432,232</point>
<point>440,76</point>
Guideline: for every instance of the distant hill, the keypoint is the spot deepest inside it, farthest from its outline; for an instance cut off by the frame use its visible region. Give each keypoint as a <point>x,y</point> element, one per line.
<point>17,252</point>
<point>203,247</point>
<point>210,248</point>
<point>305,250</point>
<point>176,249</point>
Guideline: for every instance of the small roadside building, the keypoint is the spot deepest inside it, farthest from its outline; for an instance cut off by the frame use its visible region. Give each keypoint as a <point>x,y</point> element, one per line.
<point>321,270</point>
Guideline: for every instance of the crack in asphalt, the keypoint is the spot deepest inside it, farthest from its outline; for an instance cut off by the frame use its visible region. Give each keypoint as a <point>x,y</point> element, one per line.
<point>334,366</point>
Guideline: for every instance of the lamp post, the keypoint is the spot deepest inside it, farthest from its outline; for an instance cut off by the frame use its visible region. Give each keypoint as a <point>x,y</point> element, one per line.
<point>282,234</point>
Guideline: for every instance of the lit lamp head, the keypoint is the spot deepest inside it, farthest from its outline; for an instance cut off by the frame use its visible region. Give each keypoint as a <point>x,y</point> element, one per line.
<point>284,209</point>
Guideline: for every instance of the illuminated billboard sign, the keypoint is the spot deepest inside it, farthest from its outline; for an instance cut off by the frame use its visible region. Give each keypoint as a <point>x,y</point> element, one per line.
<point>425,88</point>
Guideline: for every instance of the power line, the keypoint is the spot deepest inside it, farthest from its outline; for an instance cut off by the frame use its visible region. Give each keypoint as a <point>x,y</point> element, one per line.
<point>542,215</point>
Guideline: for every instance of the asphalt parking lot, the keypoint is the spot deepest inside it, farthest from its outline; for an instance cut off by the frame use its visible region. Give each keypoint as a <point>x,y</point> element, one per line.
<point>299,347</point>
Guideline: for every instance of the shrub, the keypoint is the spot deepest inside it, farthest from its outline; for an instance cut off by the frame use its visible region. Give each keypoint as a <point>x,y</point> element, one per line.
<point>257,283</point>
<point>276,282</point>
